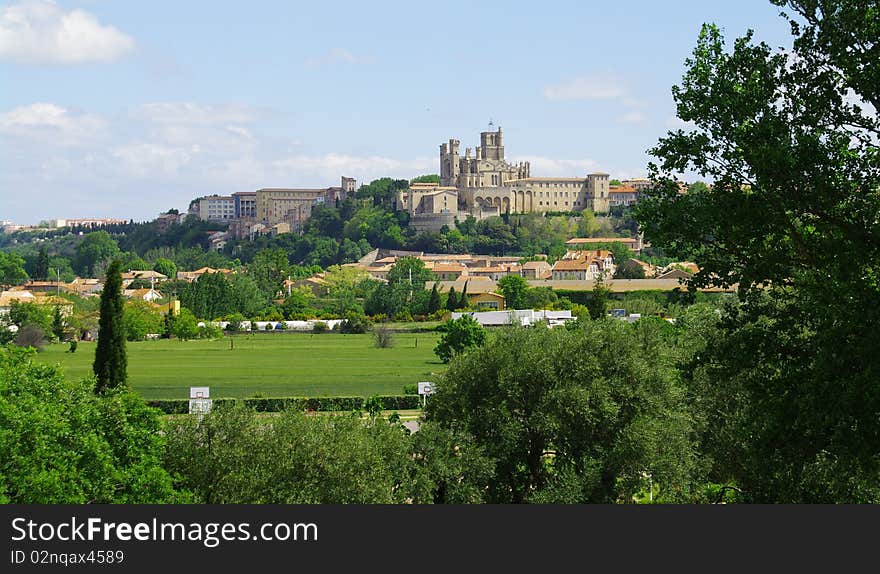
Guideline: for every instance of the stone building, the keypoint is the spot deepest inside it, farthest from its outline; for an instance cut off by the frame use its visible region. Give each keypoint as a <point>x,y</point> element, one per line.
<point>483,183</point>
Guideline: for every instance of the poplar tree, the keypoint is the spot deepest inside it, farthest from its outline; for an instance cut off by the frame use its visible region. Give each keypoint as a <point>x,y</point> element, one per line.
<point>110,359</point>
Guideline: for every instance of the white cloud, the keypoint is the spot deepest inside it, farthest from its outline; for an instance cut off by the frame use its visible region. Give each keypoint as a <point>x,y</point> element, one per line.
<point>40,32</point>
<point>189,113</point>
<point>587,88</point>
<point>329,167</point>
<point>337,56</point>
<point>632,117</point>
<point>51,123</point>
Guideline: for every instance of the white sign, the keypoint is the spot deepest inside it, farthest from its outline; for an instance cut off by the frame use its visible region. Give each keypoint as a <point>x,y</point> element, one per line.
<point>426,388</point>
<point>199,401</point>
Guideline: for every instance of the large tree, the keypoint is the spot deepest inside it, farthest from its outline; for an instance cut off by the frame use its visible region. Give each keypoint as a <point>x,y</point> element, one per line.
<point>111,361</point>
<point>586,415</point>
<point>788,139</point>
<point>515,290</point>
<point>95,247</point>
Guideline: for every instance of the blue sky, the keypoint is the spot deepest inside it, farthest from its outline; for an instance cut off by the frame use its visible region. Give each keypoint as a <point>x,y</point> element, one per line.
<point>125,109</point>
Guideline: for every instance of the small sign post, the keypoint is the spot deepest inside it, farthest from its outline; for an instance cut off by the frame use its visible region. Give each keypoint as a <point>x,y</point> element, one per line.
<point>425,389</point>
<point>199,400</point>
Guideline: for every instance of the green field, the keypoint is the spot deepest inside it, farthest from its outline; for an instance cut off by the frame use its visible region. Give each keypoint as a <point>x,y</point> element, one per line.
<point>277,364</point>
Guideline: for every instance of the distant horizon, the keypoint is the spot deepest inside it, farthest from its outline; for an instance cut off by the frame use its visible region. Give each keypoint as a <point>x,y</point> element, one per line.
<point>147,106</point>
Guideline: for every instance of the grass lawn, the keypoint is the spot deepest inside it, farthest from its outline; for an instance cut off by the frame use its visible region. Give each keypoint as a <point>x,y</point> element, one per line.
<point>274,364</point>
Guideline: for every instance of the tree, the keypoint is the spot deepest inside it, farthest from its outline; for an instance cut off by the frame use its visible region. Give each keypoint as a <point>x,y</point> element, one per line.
<point>62,444</point>
<point>452,299</point>
<point>428,178</point>
<point>31,336</point>
<point>166,267</point>
<point>95,247</point>
<point>140,319</point>
<point>409,271</point>
<point>41,270</point>
<point>12,269</point>
<point>515,290</point>
<point>58,324</point>
<point>463,301</point>
<point>598,301</point>
<point>185,326</point>
<point>110,357</point>
<point>788,140</point>
<point>629,269</point>
<point>459,335</point>
<point>434,302</point>
<point>232,456</point>
<point>591,432</point>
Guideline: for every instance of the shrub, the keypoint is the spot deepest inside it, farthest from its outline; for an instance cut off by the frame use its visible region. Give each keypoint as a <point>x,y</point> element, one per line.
<point>73,345</point>
<point>354,323</point>
<point>412,389</point>
<point>373,405</point>
<point>320,327</point>
<point>383,337</point>
<point>31,336</point>
<point>279,404</point>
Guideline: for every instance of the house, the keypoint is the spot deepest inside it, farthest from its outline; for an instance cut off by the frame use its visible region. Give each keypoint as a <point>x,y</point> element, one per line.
<point>40,287</point>
<point>193,275</point>
<point>84,287</point>
<point>449,271</point>
<point>316,284</point>
<point>537,270</point>
<point>150,295</point>
<point>647,267</point>
<point>151,276</point>
<point>583,265</point>
<point>491,300</point>
<point>585,242</point>
<point>675,274</point>
<point>494,273</point>
<point>8,297</point>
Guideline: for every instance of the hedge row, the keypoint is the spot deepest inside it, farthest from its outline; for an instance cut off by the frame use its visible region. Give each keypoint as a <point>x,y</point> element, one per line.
<point>278,404</point>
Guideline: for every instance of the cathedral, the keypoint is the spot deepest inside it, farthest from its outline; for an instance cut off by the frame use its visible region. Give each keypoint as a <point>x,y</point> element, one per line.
<point>484,183</point>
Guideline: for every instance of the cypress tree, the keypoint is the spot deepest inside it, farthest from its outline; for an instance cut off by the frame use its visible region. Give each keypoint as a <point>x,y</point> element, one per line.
<point>110,360</point>
<point>452,300</point>
<point>41,270</point>
<point>434,301</point>
<point>463,302</point>
<point>58,324</point>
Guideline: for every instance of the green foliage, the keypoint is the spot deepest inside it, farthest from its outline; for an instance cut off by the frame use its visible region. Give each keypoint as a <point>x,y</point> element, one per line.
<point>515,291</point>
<point>23,314</point>
<point>429,178</point>
<point>451,467</point>
<point>354,323</point>
<point>452,300</point>
<point>574,416</point>
<point>72,347</point>
<point>166,267</point>
<point>12,269</point>
<point>459,336</point>
<point>185,325</point>
<point>598,301</point>
<point>62,444</point>
<point>319,327</point>
<point>232,456</point>
<point>140,319</point>
<point>788,141</point>
<point>96,247</point>
<point>629,269</point>
<point>41,270</point>
<point>434,303</point>
<point>110,358</point>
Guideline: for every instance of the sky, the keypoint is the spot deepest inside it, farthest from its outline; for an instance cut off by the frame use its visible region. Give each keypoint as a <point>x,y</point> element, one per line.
<point>112,108</point>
